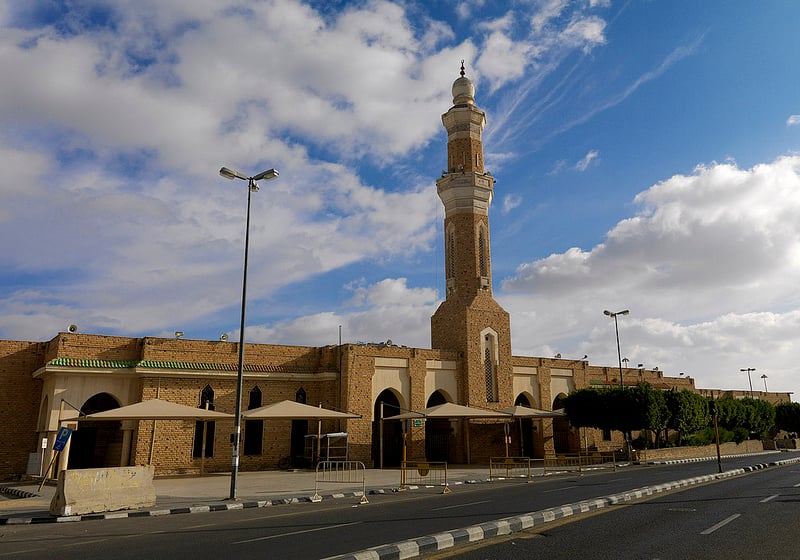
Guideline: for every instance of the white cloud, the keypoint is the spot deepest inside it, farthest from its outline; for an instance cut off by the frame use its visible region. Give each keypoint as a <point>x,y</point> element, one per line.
<point>793,120</point>
<point>590,158</point>
<point>386,310</point>
<point>709,268</point>
<point>509,202</point>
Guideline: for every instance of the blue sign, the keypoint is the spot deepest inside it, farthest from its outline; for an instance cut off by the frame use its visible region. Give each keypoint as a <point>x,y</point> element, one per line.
<point>62,438</point>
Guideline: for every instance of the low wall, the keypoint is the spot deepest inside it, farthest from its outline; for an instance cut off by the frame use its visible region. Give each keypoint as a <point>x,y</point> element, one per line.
<point>730,448</point>
<point>83,491</point>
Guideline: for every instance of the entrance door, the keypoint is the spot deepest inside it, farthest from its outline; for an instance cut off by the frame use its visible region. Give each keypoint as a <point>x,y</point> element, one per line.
<point>96,444</point>
<point>392,431</point>
<point>438,432</point>
<point>525,429</point>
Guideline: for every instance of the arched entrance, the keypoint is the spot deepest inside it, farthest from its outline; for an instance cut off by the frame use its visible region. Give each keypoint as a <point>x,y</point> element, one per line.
<point>561,428</point>
<point>96,444</point>
<point>437,432</point>
<point>388,404</point>
<point>299,432</point>
<point>525,426</point>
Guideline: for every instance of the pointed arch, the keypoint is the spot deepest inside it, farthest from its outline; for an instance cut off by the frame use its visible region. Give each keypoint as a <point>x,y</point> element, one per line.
<point>96,444</point>
<point>253,429</point>
<point>207,428</point>
<point>389,403</point>
<point>490,353</point>
<point>483,251</point>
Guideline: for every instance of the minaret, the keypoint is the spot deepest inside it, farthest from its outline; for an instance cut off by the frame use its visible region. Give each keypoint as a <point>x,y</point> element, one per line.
<point>470,320</point>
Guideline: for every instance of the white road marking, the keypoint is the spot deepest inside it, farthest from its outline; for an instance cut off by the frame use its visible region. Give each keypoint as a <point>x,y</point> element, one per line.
<point>558,489</point>
<point>765,500</point>
<point>720,524</point>
<point>461,505</point>
<point>298,532</point>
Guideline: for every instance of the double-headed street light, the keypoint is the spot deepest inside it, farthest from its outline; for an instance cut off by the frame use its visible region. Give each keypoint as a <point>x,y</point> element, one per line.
<point>616,330</point>
<point>764,377</point>
<point>748,370</point>
<point>237,430</point>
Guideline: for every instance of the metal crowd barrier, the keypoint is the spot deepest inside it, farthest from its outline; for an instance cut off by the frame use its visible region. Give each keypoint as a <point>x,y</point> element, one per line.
<point>340,472</point>
<point>427,473</point>
<point>501,468</point>
<point>580,461</point>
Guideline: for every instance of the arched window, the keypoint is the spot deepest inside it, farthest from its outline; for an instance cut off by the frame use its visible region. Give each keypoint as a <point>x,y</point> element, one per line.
<point>200,427</point>
<point>482,256</point>
<point>450,257</point>
<point>253,429</point>
<point>490,364</point>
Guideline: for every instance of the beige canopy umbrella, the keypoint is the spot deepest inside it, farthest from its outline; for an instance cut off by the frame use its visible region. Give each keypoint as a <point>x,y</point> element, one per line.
<point>156,409</point>
<point>448,410</point>
<point>527,412</point>
<point>291,410</point>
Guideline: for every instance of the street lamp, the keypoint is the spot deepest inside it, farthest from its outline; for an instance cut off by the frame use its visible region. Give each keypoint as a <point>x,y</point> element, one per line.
<point>748,370</point>
<point>237,430</point>
<point>764,377</point>
<point>616,330</point>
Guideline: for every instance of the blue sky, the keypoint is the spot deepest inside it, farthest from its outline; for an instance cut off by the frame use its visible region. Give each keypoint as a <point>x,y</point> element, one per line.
<point>647,156</point>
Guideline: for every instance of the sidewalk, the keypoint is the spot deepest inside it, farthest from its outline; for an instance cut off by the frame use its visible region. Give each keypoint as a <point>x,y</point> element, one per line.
<point>211,493</point>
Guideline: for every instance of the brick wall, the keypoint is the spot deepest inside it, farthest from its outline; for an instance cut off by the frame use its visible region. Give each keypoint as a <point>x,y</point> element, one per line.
<point>19,404</point>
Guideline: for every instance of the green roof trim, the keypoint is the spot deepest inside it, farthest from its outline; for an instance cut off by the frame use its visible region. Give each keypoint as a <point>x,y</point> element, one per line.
<point>192,366</point>
<point>77,362</point>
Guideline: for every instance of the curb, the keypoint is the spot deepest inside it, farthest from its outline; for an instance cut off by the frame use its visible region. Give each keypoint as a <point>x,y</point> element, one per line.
<point>441,541</point>
<point>17,493</point>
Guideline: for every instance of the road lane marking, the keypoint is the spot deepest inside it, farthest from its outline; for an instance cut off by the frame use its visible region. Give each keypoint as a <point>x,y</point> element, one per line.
<point>298,532</point>
<point>559,489</point>
<point>720,524</point>
<point>765,500</point>
<point>461,505</point>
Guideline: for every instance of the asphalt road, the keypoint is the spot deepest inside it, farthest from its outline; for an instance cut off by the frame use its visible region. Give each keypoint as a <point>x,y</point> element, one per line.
<point>748,517</point>
<point>334,526</point>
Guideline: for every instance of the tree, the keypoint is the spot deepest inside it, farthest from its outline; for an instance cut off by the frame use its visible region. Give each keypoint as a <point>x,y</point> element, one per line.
<point>688,412</point>
<point>760,416</point>
<point>615,408</point>
<point>787,417</point>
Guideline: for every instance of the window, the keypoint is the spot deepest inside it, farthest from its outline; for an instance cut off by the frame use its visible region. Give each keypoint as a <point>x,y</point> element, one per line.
<point>451,253</point>
<point>253,429</point>
<point>200,427</point>
<point>483,261</point>
<point>490,365</point>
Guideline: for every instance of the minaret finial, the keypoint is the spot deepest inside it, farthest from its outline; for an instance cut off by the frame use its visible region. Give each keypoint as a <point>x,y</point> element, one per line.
<point>462,68</point>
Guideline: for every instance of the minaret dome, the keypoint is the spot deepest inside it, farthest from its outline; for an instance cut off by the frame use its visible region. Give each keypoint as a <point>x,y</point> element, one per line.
<point>463,90</point>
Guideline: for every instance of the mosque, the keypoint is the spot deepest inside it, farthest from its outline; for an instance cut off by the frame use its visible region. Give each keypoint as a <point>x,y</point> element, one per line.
<point>46,385</point>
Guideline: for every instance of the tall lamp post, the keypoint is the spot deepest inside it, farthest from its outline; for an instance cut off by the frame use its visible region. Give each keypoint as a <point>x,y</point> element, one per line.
<point>616,330</point>
<point>237,429</point>
<point>749,379</point>
<point>619,357</point>
<point>764,377</point>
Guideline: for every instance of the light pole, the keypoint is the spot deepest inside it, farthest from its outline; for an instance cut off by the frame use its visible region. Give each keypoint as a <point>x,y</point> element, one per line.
<point>748,370</point>
<point>764,377</point>
<point>616,330</point>
<point>619,357</point>
<point>237,429</point>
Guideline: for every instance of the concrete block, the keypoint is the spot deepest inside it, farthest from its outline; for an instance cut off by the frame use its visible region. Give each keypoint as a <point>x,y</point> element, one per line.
<point>84,491</point>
